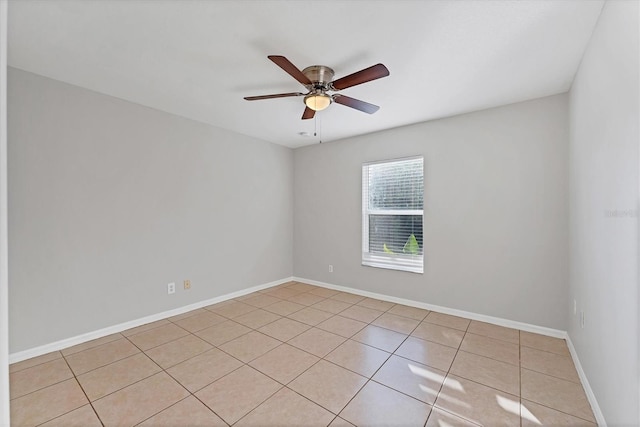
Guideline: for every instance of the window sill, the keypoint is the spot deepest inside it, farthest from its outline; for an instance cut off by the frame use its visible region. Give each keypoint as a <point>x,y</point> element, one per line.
<point>401,265</point>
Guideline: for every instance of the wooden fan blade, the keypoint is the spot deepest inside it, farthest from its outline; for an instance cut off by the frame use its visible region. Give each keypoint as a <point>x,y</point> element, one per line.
<point>372,73</point>
<point>287,66</point>
<point>308,113</point>
<point>356,103</point>
<point>277,95</point>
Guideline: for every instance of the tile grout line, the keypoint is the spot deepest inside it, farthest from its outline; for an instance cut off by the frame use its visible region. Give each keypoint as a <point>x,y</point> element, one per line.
<point>207,385</point>
<point>361,343</point>
<point>170,376</point>
<point>207,406</point>
<point>369,379</point>
<point>490,358</point>
<point>466,331</point>
<point>550,375</point>
<point>432,406</point>
<point>143,331</point>
<point>568,356</point>
<point>257,406</point>
<point>37,364</point>
<point>83,392</point>
<point>590,423</point>
<point>153,415</point>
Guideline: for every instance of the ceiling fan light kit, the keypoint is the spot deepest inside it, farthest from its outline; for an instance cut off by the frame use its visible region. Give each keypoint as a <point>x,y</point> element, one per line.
<point>318,80</point>
<point>317,101</point>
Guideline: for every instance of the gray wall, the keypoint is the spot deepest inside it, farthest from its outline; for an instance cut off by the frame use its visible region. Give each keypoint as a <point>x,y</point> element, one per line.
<point>496,211</point>
<point>604,212</point>
<point>109,201</point>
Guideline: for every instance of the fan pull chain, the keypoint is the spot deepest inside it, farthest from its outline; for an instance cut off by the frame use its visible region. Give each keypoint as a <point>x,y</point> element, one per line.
<point>315,127</point>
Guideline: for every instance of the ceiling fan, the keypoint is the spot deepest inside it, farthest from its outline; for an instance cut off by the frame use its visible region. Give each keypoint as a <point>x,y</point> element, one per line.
<point>318,81</point>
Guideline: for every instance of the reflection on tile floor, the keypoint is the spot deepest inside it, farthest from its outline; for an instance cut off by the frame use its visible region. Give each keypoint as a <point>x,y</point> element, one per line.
<point>302,355</point>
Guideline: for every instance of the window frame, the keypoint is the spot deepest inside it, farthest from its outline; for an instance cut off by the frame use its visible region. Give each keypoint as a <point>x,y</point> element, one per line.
<point>401,262</point>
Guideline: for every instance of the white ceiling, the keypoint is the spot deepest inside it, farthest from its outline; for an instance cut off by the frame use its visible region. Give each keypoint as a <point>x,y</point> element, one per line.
<point>198,59</point>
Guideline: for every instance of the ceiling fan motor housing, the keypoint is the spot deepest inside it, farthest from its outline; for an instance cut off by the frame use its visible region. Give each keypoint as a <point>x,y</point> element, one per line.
<point>320,75</point>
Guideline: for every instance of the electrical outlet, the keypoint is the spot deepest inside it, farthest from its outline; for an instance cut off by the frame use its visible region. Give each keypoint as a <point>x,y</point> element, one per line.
<point>187,284</point>
<point>330,268</point>
<point>171,288</point>
<point>575,307</point>
<point>582,319</point>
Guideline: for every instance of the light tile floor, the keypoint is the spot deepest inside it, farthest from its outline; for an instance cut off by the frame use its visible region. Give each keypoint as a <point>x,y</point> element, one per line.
<point>300,355</point>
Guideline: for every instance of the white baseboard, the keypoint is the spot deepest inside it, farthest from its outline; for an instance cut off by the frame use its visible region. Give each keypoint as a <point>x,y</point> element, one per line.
<point>597,412</point>
<point>79,339</point>
<point>556,333</point>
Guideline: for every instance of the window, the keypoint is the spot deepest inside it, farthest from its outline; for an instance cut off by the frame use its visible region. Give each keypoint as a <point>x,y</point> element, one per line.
<point>392,211</point>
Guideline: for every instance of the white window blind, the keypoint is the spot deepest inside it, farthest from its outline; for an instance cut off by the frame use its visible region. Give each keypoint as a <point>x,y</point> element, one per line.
<point>392,212</point>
